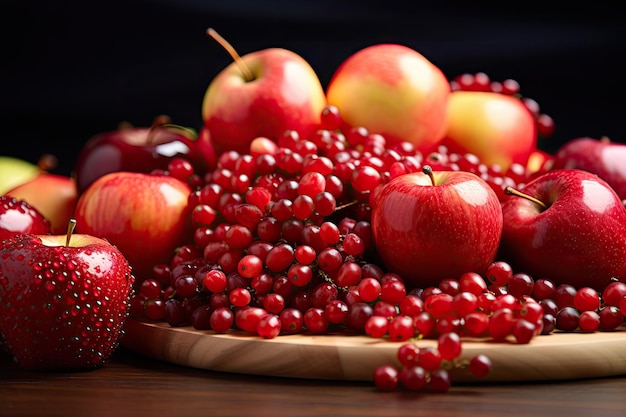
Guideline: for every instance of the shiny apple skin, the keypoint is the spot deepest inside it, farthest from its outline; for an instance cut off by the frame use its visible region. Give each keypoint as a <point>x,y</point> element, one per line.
<point>427,233</point>
<point>69,315</point>
<point>600,156</point>
<point>52,195</point>
<point>146,216</point>
<point>392,90</point>
<point>497,128</point>
<point>580,239</point>
<point>286,94</point>
<point>139,149</point>
<point>19,217</point>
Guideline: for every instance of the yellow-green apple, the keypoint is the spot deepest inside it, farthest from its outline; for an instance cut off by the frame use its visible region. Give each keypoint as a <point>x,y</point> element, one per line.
<point>601,156</point>
<point>497,128</point>
<point>19,217</point>
<point>392,90</point>
<point>142,149</point>
<point>15,171</point>
<point>428,226</point>
<point>63,300</point>
<point>567,226</point>
<point>53,195</point>
<point>146,216</point>
<point>263,93</point>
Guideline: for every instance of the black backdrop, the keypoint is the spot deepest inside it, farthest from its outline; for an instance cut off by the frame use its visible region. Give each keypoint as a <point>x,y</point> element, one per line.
<point>73,69</point>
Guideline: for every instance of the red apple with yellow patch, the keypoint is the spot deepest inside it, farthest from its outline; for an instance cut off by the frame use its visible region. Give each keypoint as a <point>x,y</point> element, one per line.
<point>147,216</point>
<point>392,90</point>
<point>497,128</point>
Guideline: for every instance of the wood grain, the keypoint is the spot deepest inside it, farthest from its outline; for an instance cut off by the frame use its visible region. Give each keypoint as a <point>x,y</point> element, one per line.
<point>559,356</point>
<point>134,385</point>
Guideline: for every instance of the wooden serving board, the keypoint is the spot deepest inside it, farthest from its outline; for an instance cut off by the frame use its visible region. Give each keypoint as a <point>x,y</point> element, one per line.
<point>341,357</point>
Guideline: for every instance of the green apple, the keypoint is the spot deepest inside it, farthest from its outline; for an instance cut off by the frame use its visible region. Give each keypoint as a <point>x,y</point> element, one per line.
<point>15,171</point>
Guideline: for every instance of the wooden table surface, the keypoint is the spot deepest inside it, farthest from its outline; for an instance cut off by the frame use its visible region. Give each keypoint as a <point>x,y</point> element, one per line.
<point>130,384</point>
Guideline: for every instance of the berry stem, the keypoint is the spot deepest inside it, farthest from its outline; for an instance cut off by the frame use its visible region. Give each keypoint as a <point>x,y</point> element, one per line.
<point>513,191</point>
<point>346,205</point>
<point>427,169</point>
<point>247,73</point>
<point>70,230</point>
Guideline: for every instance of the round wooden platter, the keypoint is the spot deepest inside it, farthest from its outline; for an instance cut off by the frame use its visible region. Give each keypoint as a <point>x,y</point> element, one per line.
<point>344,357</point>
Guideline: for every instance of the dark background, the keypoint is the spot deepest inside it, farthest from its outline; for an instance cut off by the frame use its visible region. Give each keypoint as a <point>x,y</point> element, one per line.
<point>73,69</point>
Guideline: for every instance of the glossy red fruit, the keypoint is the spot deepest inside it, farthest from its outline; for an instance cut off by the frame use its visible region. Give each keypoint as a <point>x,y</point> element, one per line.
<point>62,306</point>
<point>574,234</point>
<point>17,216</point>
<point>142,149</point>
<point>426,230</point>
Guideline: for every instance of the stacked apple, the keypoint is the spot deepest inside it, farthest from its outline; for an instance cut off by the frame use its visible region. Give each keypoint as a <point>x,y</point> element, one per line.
<point>53,196</point>
<point>395,204</point>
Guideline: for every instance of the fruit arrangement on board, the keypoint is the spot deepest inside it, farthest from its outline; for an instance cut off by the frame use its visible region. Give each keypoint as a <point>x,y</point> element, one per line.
<point>394,203</point>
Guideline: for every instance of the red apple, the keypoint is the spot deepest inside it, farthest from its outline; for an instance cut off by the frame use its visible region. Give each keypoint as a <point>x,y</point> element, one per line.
<point>142,149</point>
<point>18,217</point>
<point>578,238</point>
<point>263,93</point>
<point>427,229</point>
<point>497,128</point>
<point>53,195</point>
<point>394,91</point>
<point>63,303</point>
<point>603,157</point>
<point>146,216</point>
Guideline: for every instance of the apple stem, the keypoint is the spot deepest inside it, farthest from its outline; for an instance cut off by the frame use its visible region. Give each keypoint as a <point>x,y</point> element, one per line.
<point>427,169</point>
<point>513,191</point>
<point>162,119</point>
<point>165,123</point>
<point>70,230</point>
<point>47,162</point>
<point>233,53</point>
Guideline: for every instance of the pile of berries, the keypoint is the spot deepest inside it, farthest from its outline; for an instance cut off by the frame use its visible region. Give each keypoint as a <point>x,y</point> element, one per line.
<point>283,244</point>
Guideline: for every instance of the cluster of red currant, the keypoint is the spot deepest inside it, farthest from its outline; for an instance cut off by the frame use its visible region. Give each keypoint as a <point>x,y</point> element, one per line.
<point>283,244</point>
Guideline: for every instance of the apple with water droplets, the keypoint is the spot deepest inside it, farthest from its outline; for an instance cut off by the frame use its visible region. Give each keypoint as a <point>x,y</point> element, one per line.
<point>428,226</point>
<point>64,300</point>
<point>17,217</point>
